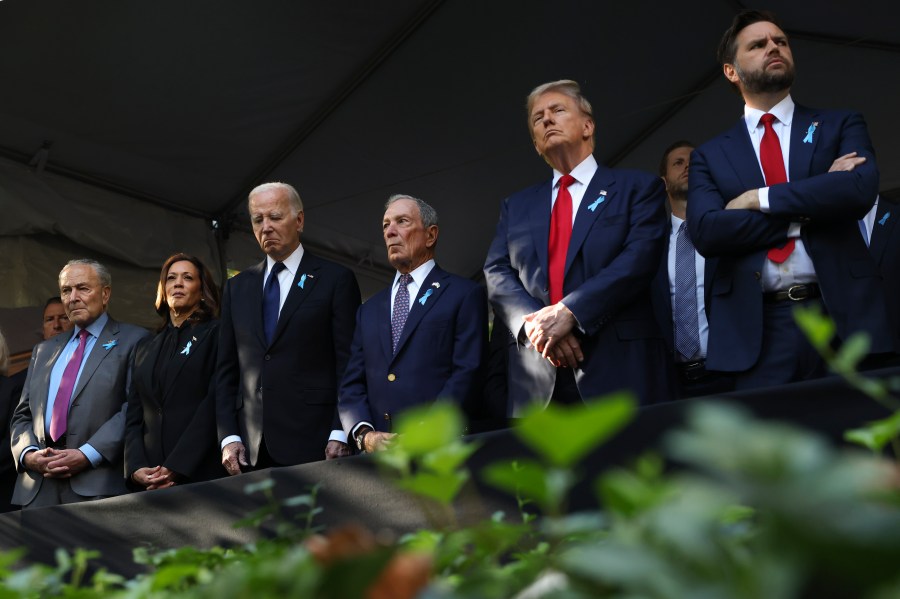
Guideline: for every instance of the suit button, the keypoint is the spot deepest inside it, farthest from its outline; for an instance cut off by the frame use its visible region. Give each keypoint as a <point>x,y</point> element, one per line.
<point>392,377</point>
<point>268,357</point>
<point>757,275</point>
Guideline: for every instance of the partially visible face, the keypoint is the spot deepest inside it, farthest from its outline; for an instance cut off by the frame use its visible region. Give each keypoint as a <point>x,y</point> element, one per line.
<point>55,321</point>
<point>275,226</point>
<point>763,62</point>
<point>183,287</point>
<point>85,299</point>
<point>677,163</point>
<point>556,121</point>
<point>409,243</point>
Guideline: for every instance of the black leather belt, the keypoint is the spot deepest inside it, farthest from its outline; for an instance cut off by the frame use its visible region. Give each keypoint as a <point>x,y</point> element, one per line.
<point>692,371</point>
<point>796,293</point>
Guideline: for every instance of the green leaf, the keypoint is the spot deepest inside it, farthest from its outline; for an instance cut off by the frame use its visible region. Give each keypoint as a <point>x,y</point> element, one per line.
<point>427,428</point>
<point>449,458</point>
<point>173,575</point>
<point>547,487</point>
<point>262,485</point>
<point>875,435</point>
<point>819,329</point>
<point>564,435</point>
<point>851,353</point>
<point>440,487</point>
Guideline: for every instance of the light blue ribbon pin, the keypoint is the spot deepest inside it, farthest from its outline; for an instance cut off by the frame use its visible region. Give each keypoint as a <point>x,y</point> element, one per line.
<point>425,297</point>
<point>110,344</point>
<point>809,133</point>
<point>302,281</point>
<point>884,218</point>
<point>187,349</point>
<point>598,201</point>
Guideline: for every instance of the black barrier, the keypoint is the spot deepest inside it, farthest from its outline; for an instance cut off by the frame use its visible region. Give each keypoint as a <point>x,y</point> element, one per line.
<point>202,515</point>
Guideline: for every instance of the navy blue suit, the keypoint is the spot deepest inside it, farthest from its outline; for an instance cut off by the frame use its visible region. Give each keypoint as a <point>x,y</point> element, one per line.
<point>828,205</point>
<point>439,354</point>
<point>885,249</point>
<point>613,255</point>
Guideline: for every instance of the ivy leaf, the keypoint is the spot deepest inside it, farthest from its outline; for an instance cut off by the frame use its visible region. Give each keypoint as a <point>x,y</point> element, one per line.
<point>440,487</point>
<point>819,329</point>
<point>428,428</point>
<point>875,435</point>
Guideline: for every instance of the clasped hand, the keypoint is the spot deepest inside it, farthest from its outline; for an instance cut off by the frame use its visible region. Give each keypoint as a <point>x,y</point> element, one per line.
<point>550,332</point>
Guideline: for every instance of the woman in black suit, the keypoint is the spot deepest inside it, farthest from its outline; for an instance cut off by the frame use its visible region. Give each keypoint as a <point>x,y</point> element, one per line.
<point>170,431</point>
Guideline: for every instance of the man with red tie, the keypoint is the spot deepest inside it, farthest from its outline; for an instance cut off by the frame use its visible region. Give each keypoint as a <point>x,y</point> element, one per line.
<point>570,267</point>
<point>777,199</point>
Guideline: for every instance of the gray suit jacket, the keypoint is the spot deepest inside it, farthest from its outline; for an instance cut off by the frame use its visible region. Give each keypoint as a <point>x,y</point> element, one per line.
<point>96,414</point>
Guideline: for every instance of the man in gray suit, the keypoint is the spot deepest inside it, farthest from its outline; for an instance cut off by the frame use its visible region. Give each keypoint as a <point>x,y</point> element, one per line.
<point>68,429</point>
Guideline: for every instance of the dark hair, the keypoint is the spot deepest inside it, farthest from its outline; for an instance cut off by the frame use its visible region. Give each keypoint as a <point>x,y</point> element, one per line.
<point>52,300</point>
<point>681,143</point>
<point>209,292</point>
<point>728,44</point>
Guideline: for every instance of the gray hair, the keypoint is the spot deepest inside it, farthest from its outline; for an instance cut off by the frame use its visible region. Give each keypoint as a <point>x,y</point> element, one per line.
<point>293,197</point>
<point>567,87</point>
<point>102,271</point>
<point>426,212</point>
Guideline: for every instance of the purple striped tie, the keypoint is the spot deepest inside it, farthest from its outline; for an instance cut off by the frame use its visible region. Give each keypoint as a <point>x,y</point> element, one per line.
<point>59,417</point>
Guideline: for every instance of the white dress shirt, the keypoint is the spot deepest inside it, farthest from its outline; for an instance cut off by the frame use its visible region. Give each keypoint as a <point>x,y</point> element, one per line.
<point>798,268</point>
<point>583,174</point>
<point>418,277</point>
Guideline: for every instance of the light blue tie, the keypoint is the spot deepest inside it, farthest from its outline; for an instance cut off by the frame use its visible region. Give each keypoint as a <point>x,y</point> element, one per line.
<point>684,308</point>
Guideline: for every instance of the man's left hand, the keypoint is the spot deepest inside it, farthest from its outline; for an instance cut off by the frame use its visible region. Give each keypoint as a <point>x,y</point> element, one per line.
<point>336,449</point>
<point>550,324</point>
<point>68,463</point>
<point>161,479</point>
<point>749,200</point>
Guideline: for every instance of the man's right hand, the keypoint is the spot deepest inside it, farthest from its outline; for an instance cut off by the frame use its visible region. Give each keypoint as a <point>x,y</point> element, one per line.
<point>37,460</point>
<point>234,455</point>
<point>378,441</point>
<point>847,162</point>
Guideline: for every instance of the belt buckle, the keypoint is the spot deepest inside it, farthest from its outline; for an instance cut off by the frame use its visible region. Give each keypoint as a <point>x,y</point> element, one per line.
<point>801,289</point>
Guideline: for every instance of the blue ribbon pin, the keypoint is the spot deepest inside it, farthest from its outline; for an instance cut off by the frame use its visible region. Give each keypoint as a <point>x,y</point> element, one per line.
<point>110,344</point>
<point>425,297</point>
<point>809,133</point>
<point>187,349</point>
<point>884,218</point>
<point>598,201</point>
<point>302,281</point>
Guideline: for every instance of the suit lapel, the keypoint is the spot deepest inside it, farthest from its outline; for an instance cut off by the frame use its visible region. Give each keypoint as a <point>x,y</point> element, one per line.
<point>198,336</point>
<point>101,349</point>
<point>55,348</point>
<point>802,152</point>
<point>539,217</point>
<point>886,218</point>
<point>738,150</point>
<point>382,307</point>
<point>255,299</point>
<point>600,193</point>
<point>430,293</point>
<point>305,279</point>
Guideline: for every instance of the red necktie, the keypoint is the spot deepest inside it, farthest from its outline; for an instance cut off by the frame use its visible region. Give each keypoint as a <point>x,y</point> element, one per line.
<point>59,416</point>
<point>560,233</point>
<point>773,168</point>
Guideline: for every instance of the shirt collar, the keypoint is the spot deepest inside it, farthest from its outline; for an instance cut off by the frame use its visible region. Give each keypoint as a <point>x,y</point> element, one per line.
<point>676,222</point>
<point>783,111</point>
<point>419,274</point>
<point>583,173</point>
<point>291,263</point>
<point>95,328</point>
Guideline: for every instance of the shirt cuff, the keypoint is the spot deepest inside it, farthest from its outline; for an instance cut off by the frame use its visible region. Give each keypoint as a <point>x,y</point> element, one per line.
<point>763,199</point>
<point>24,452</point>
<point>337,435</point>
<point>91,454</point>
<point>359,424</point>
<point>230,439</point>
<point>794,230</point>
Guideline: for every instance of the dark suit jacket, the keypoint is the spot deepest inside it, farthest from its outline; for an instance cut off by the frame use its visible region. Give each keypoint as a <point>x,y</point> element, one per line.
<point>10,392</point>
<point>286,389</point>
<point>613,255</point>
<point>439,355</point>
<point>175,426</point>
<point>885,249</point>
<point>96,413</point>
<point>829,205</point>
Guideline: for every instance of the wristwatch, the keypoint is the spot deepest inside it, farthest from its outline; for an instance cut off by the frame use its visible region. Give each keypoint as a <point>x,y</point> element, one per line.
<point>361,438</point>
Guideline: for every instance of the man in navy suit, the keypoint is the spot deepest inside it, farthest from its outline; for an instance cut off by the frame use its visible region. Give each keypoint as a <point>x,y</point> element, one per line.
<point>883,237</point>
<point>570,267</point>
<point>680,292</point>
<point>777,199</point>
<point>284,341</point>
<point>422,339</point>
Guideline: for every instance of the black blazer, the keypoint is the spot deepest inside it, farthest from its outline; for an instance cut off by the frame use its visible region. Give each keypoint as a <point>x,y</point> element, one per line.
<point>175,426</point>
<point>288,389</point>
<point>10,392</point>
